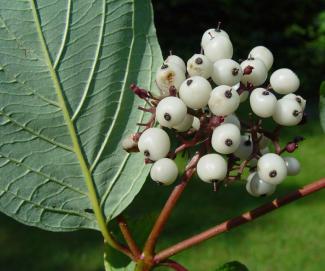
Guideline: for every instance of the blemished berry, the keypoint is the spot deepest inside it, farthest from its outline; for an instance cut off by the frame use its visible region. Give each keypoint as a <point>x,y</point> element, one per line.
<point>154,143</point>
<point>225,138</point>
<point>284,81</point>
<point>170,111</point>
<point>293,165</point>
<point>287,112</point>
<point>257,74</point>
<point>169,75</point>
<point>232,118</point>
<point>217,48</point>
<point>176,60</point>
<point>264,54</point>
<point>226,72</point>
<point>212,167</point>
<point>245,147</point>
<point>164,171</point>
<point>262,102</point>
<point>210,34</point>
<point>199,65</point>
<point>185,125</point>
<point>223,101</point>
<point>271,168</point>
<point>195,92</point>
<point>256,187</point>
<point>296,98</point>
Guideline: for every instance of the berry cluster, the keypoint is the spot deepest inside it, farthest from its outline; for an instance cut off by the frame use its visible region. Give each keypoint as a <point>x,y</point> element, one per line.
<point>196,108</point>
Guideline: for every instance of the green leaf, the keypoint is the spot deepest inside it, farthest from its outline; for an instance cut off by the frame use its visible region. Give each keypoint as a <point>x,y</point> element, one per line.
<point>233,266</point>
<point>65,105</point>
<point>115,261</point>
<point>322,105</point>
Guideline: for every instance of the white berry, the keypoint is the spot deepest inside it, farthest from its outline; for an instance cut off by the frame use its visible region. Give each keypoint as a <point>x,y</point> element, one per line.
<point>256,187</point>
<point>212,167</point>
<point>287,112</point>
<point>164,171</point>
<point>154,143</point>
<point>262,102</point>
<point>284,81</point>
<point>226,72</point>
<point>210,34</point>
<point>272,168</point>
<point>185,125</point>
<point>195,92</point>
<point>258,73</point>
<point>223,100</point>
<point>168,76</point>
<point>225,138</point>
<point>293,165</point>
<point>263,54</point>
<point>196,124</point>
<point>170,111</point>
<point>232,118</point>
<point>245,147</point>
<point>243,96</point>
<point>219,47</point>
<point>176,60</point>
<point>297,98</point>
<point>199,65</point>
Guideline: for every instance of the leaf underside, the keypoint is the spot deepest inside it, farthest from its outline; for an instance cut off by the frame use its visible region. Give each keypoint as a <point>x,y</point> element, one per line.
<point>65,105</point>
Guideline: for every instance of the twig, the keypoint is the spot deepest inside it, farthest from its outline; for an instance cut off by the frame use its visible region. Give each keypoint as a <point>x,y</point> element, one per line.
<point>173,265</point>
<point>169,205</point>
<point>240,220</point>
<point>128,237</point>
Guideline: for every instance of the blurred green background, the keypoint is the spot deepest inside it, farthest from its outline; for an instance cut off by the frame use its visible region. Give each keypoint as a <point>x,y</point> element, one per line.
<point>292,238</point>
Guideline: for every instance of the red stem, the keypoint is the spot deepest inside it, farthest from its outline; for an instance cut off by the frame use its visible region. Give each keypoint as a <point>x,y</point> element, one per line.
<point>136,252</point>
<point>240,220</point>
<point>173,265</point>
<point>169,205</point>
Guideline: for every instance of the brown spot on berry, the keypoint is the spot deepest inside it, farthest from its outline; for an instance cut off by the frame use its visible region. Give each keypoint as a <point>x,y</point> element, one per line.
<point>167,116</point>
<point>273,173</point>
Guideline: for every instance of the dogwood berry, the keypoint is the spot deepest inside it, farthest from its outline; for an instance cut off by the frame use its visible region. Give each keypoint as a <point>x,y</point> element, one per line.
<point>212,167</point>
<point>226,72</point>
<point>263,54</point>
<point>212,33</point>
<point>287,112</point>
<point>297,98</point>
<point>245,147</point>
<point>186,124</point>
<point>164,171</point>
<point>199,65</point>
<point>169,75</point>
<point>217,48</point>
<point>154,143</point>
<point>232,118</point>
<point>254,71</point>
<point>284,81</point>
<point>223,100</point>
<point>271,168</point>
<point>170,111</point>
<point>253,162</point>
<point>195,92</point>
<point>256,187</point>
<point>225,138</point>
<point>176,60</point>
<point>293,165</point>
<point>262,102</point>
<point>196,124</point>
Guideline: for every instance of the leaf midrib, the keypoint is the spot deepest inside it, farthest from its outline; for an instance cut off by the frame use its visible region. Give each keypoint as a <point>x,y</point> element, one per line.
<point>74,138</point>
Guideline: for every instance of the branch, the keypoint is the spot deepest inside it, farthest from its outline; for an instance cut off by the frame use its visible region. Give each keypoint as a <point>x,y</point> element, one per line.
<point>128,237</point>
<point>173,265</point>
<point>240,220</point>
<point>169,205</point>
